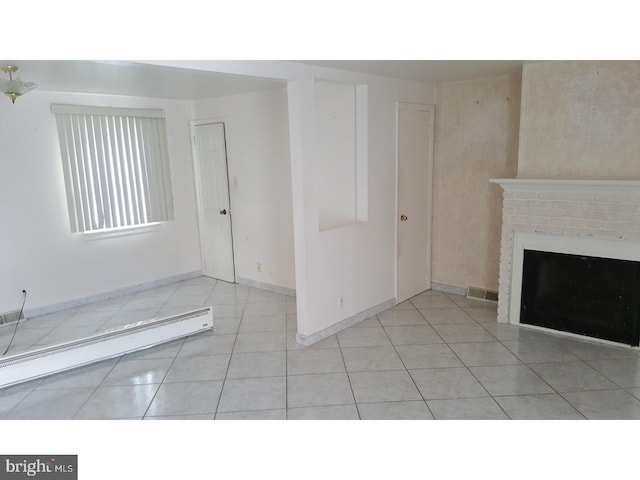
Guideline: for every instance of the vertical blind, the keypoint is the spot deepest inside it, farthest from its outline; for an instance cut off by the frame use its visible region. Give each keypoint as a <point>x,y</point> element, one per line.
<point>116,166</point>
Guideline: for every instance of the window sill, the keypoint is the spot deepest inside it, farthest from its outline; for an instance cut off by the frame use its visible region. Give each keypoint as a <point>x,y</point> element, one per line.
<point>121,232</point>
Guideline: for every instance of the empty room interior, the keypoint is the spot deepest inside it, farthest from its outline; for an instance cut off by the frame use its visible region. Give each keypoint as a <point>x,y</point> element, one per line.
<point>333,240</point>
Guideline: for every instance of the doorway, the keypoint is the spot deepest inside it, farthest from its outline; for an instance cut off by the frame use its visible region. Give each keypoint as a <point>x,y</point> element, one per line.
<point>414,150</point>
<point>214,204</point>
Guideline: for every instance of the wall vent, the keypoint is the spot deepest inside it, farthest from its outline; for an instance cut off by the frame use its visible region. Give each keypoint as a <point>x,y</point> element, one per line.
<point>11,317</point>
<point>483,295</point>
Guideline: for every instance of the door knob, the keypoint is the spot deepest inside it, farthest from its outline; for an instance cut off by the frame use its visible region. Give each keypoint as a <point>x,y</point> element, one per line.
<point>223,211</point>
<point>403,218</point>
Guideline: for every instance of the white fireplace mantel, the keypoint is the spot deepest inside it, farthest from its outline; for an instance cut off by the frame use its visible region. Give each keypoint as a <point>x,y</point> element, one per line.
<point>561,215</point>
<point>610,185</point>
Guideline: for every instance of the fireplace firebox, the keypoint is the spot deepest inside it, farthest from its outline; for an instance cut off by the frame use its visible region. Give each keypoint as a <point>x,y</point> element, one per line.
<point>585,295</point>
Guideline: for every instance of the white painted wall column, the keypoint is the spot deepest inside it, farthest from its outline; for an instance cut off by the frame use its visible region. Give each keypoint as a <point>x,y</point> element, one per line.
<point>305,206</point>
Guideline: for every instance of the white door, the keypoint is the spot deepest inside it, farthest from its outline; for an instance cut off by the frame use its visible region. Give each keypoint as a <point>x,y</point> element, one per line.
<point>214,212</point>
<point>415,172</point>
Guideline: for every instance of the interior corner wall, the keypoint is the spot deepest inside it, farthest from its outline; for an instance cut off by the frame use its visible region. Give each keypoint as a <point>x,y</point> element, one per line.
<point>257,137</point>
<point>476,139</point>
<point>580,119</point>
<point>37,250</point>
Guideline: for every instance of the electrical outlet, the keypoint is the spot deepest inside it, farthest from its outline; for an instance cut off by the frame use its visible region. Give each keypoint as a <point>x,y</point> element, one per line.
<point>259,267</point>
<point>340,302</point>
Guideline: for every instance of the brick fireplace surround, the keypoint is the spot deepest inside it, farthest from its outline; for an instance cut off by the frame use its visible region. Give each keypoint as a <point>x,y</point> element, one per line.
<point>598,217</point>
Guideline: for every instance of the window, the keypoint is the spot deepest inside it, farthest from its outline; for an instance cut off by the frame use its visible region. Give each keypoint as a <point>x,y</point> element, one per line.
<point>116,166</point>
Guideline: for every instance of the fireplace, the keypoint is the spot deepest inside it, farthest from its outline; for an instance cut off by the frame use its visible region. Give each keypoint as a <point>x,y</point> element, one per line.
<point>592,296</point>
<point>586,225</point>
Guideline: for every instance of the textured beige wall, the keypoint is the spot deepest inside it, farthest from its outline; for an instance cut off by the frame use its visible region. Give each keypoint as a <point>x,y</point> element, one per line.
<point>580,119</point>
<point>476,139</point>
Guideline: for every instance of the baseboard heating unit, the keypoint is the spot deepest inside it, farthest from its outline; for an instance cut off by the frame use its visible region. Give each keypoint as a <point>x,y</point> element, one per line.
<point>33,364</point>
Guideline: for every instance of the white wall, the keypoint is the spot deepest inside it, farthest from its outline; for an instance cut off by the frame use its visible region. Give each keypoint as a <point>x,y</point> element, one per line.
<point>256,127</point>
<point>355,262</point>
<point>335,172</point>
<point>37,250</point>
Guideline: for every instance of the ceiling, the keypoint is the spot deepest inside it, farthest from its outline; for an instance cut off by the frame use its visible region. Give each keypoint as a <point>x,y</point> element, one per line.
<point>432,71</point>
<point>135,79</point>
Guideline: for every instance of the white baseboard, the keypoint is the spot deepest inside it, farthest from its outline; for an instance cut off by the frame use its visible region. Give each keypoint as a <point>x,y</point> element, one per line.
<point>441,287</point>
<point>78,302</point>
<point>266,286</point>
<point>308,340</point>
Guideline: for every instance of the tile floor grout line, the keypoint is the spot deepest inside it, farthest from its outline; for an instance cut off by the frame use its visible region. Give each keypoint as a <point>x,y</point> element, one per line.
<point>353,395</point>
<point>561,394</point>
<point>286,363</point>
<point>233,347</point>
<point>557,392</point>
<point>478,380</point>
<point>471,373</point>
<point>405,366</point>
<point>184,339</point>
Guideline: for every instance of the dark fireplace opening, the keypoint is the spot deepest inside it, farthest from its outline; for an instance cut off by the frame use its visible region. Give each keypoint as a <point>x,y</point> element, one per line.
<point>591,296</point>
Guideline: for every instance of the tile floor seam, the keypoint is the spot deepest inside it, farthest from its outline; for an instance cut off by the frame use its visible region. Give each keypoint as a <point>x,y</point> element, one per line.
<point>224,380</point>
<point>626,389</point>
<point>286,367</point>
<point>105,322</point>
<point>576,407</point>
<point>233,347</point>
<point>477,379</point>
<point>395,349</point>
<point>486,390</point>
<point>164,378</point>
<point>541,395</point>
<point>547,383</point>
<point>97,386</point>
<point>8,412</point>
<point>163,305</point>
<point>607,376</point>
<point>353,394</point>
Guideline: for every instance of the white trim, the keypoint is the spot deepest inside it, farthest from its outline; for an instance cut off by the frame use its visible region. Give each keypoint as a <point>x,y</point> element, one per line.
<point>91,110</point>
<point>121,231</point>
<point>441,287</point>
<point>362,153</point>
<point>308,340</point>
<point>612,185</point>
<point>77,302</point>
<point>266,286</point>
<point>593,247</point>
<point>429,209</point>
<point>109,344</point>
<point>584,338</point>
<point>198,187</point>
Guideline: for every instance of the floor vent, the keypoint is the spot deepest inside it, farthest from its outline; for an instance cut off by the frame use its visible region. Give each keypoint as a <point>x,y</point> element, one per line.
<point>11,317</point>
<point>483,295</point>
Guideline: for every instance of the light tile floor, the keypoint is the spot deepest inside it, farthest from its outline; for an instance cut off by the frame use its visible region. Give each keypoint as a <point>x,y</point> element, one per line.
<point>435,356</point>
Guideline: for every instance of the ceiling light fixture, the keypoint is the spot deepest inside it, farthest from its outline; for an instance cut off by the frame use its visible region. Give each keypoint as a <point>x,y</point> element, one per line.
<point>13,88</point>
